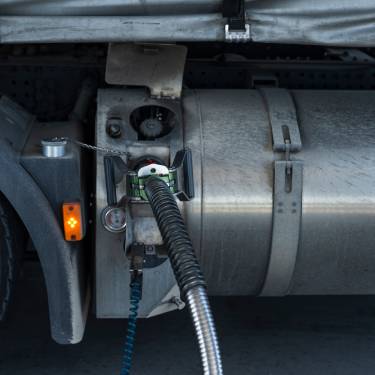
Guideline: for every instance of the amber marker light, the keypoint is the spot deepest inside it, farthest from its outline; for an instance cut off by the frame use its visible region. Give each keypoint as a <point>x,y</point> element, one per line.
<point>72,217</point>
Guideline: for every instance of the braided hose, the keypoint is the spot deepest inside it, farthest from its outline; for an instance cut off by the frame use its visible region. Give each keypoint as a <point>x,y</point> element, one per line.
<point>135,297</point>
<point>187,271</point>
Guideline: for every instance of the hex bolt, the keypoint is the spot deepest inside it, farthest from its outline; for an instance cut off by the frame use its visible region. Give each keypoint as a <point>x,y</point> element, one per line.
<point>114,127</point>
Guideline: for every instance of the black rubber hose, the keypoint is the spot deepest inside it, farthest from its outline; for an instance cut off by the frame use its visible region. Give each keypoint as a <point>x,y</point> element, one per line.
<point>172,227</point>
<point>187,271</point>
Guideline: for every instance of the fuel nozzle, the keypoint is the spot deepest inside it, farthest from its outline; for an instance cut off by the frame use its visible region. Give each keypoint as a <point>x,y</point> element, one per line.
<point>178,177</point>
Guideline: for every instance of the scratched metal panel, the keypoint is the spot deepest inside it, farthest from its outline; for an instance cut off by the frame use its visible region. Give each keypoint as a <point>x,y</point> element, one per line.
<point>230,218</point>
<point>336,254</point>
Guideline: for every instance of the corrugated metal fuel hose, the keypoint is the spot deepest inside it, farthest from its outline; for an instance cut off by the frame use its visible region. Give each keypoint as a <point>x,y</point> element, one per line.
<point>187,271</point>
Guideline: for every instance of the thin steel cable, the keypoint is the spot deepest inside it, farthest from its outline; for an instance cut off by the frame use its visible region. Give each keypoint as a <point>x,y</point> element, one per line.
<point>91,147</point>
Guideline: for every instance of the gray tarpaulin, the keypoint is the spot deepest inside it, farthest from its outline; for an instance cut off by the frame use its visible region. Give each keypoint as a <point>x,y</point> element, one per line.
<point>107,7</point>
<point>327,22</point>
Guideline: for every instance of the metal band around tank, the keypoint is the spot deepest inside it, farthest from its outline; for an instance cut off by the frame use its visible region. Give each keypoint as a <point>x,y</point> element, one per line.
<point>287,196</point>
<point>282,115</point>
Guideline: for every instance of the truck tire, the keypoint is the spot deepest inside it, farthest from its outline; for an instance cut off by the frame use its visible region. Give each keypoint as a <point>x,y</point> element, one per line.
<point>12,241</point>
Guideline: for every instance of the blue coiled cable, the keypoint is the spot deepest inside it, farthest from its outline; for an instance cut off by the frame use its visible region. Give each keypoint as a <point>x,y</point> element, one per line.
<point>135,298</point>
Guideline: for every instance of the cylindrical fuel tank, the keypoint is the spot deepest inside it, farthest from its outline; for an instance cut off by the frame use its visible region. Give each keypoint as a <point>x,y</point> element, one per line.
<point>328,247</point>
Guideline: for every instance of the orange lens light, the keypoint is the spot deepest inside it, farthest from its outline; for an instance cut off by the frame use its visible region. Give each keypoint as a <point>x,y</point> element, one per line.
<point>72,217</point>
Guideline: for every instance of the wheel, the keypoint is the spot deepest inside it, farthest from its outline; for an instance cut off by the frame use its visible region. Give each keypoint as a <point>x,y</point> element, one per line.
<point>12,241</point>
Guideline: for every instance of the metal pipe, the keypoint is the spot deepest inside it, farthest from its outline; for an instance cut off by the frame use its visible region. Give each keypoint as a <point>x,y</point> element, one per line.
<point>205,330</point>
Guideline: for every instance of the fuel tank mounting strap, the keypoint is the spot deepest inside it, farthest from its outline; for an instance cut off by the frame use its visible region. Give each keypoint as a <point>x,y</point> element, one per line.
<point>287,210</point>
<point>283,119</point>
<point>287,192</point>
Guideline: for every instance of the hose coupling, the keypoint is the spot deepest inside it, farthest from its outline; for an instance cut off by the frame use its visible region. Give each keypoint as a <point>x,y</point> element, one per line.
<point>136,264</point>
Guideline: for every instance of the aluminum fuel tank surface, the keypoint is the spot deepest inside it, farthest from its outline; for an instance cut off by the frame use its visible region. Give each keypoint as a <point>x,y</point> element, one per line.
<point>284,194</point>
<point>260,230</point>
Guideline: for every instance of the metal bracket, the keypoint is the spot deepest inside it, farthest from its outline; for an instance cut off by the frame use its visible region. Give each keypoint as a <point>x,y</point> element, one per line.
<point>170,302</point>
<point>183,165</point>
<point>236,30</point>
<point>237,36</point>
<point>287,200</point>
<point>160,67</point>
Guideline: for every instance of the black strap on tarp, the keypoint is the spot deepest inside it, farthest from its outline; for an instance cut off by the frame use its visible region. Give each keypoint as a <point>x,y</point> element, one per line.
<point>234,11</point>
